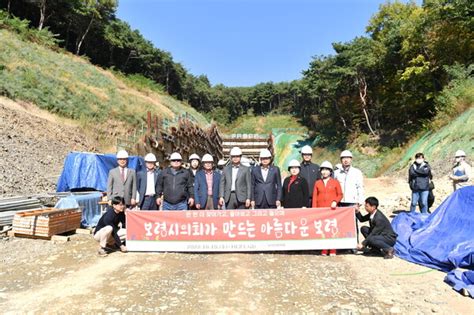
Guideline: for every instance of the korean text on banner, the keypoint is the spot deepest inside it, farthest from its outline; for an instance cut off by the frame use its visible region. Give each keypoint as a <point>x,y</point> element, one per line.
<point>241,230</point>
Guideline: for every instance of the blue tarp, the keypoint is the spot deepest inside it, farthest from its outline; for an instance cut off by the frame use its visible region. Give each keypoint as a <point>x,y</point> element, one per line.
<point>89,204</point>
<point>443,240</point>
<point>461,280</point>
<point>89,170</point>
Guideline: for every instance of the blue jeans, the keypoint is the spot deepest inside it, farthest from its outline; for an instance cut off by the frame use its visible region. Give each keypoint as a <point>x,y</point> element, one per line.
<point>421,196</point>
<point>183,205</point>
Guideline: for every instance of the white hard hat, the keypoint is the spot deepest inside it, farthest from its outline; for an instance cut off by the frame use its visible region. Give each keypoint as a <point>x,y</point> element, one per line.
<point>265,153</point>
<point>150,157</point>
<point>346,153</point>
<point>122,154</point>
<point>326,164</point>
<point>306,150</point>
<point>235,151</point>
<point>194,156</point>
<point>294,163</point>
<point>175,156</point>
<point>460,153</point>
<point>245,162</point>
<point>207,158</point>
<point>221,162</point>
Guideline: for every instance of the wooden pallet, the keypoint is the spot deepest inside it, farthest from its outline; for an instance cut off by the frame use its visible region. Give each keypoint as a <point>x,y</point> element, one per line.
<point>47,222</point>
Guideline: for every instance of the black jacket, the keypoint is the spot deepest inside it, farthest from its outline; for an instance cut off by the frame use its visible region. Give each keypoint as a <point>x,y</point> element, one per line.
<point>298,195</point>
<point>379,225</point>
<point>112,218</point>
<point>310,172</point>
<point>175,188</point>
<point>419,177</point>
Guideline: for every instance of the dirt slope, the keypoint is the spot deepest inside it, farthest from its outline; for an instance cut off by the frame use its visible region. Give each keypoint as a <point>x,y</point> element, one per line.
<point>33,145</point>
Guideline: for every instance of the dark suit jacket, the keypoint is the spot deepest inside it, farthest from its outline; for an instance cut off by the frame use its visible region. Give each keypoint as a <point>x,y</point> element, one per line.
<point>269,189</point>
<point>200,188</point>
<point>141,184</point>
<point>298,195</point>
<point>379,225</point>
<point>243,184</point>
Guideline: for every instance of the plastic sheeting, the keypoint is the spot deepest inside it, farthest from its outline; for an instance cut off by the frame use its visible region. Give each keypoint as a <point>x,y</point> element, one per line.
<point>88,203</point>
<point>443,240</point>
<point>90,171</point>
<point>461,280</point>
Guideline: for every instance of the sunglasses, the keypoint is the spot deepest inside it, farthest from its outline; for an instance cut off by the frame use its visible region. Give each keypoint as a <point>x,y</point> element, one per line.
<point>175,160</point>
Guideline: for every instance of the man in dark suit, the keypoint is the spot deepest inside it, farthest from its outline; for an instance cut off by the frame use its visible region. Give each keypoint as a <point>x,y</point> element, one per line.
<point>206,185</point>
<point>122,181</point>
<point>266,183</point>
<point>147,184</point>
<point>235,189</point>
<point>380,235</point>
<point>309,171</point>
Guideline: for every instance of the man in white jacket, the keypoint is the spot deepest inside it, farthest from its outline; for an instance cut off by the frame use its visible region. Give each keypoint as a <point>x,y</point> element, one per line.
<point>352,184</point>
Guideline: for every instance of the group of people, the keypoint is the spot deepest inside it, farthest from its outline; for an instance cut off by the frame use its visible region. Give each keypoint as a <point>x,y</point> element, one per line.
<point>420,179</point>
<point>238,186</point>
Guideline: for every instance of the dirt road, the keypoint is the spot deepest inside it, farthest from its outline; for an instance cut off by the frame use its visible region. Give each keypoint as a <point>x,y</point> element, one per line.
<point>40,276</point>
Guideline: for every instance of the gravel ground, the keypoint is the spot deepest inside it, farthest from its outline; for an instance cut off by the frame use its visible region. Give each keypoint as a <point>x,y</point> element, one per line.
<point>71,278</point>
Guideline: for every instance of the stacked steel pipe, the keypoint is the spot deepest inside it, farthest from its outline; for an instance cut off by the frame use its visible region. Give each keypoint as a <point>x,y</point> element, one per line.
<point>185,137</point>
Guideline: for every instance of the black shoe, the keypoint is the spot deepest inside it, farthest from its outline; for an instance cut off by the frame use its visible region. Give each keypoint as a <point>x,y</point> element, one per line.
<point>367,251</point>
<point>389,253</point>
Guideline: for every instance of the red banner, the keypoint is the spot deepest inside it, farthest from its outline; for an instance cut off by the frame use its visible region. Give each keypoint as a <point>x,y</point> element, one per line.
<point>241,230</point>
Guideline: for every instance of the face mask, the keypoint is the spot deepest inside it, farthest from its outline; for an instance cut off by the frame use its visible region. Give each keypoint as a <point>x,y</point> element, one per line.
<point>419,161</point>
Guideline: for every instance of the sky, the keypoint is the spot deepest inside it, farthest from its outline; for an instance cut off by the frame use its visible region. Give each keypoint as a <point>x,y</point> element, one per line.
<point>245,42</point>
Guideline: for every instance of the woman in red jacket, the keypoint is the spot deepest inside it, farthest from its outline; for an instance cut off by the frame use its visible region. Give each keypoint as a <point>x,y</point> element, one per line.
<point>327,192</point>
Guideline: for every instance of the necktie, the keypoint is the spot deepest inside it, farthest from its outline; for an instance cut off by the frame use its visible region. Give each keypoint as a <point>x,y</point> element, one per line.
<point>122,174</point>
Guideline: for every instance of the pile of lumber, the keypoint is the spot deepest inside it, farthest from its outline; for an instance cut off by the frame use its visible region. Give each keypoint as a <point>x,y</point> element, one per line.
<point>46,222</point>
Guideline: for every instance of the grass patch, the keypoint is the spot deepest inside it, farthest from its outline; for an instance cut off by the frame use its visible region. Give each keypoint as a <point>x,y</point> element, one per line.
<point>71,87</point>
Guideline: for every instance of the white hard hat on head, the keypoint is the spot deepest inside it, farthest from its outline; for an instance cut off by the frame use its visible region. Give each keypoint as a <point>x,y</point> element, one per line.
<point>326,164</point>
<point>207,158</point>
<point>122,154</point>
<point>221,162</point>
<point>306,150</point>
<point>265,153</point>
<point>176,156</point>
<point>194,156</point>
<point>150,157</point>
<point>346,153</point>
<point>460,153</point>
<point>294,163</point>
<point>235,151</point>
